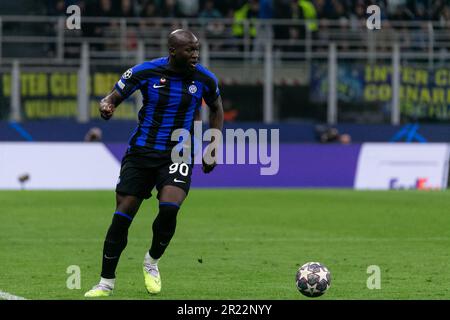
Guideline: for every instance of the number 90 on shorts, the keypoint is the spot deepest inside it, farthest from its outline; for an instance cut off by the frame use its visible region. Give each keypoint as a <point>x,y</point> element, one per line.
<point>182,168</point>
<point>178,174</point>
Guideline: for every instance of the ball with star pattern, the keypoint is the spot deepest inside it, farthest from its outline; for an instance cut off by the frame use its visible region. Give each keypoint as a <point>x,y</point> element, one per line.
<point>313,279</point>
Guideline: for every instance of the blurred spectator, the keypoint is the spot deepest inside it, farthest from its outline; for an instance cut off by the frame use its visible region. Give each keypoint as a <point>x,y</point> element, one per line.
<point>169,9</point>
<point>396,9</point>
<point>334,9</point>
<point>309,14</point>
<point>209,11</point>
<point>100,8</point>
<point>111,29</point>
<point>358,16</point>
<point>438,6</point>
<point>149,10</point>
<point>58,7</point>
<point>93,135</point>
<point>188,8</point>
<point>345,138</point>
<point>326,134</point>
<point>325,9</point>
<point>253,10</point>
<point>444,16</point>
<point>265,9</point>
<point>296,10</point>
<point>249,11</point>
<point>127,8</point>
<point>344,15</point>
<point>420,11</point>
<point>282,10</point>
<point>105,8</point>
<point>296,33</point>
<point>225,7</point>
<point>150,26</point>
<point>320,8</point>
<point>212,27</point>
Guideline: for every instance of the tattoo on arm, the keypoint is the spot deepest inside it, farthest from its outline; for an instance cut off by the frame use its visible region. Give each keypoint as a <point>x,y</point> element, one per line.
<point>113,98</point>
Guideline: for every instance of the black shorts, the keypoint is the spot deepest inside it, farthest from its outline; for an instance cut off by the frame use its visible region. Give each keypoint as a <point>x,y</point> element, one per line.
<point>140,174</point>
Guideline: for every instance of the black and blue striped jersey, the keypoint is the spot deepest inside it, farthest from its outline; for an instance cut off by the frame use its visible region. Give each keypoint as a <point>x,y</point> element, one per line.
<point>170,101</point>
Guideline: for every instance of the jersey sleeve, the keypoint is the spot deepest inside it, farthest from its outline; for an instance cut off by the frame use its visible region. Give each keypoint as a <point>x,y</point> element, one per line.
<point>131,80</point>
<point>212,91</point>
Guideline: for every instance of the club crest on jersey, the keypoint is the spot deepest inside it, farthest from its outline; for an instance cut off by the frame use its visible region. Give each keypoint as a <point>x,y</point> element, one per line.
<point>162,80</point>
<point>193,88</point>
<point>127,74</point>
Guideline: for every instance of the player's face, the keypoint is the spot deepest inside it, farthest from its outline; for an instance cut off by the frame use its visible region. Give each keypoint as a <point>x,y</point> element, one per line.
<point>188,54</point>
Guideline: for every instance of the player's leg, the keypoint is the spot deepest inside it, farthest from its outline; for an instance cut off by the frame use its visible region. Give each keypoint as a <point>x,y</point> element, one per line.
<point>117,236</point>
<point>135,184</point>
<point>164,225</point>
<point>115,242</point>
<point>173,183</point>
<point>170,200</point>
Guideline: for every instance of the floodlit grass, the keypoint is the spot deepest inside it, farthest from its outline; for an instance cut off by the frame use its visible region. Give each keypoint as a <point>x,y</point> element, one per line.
<point>233,244</point>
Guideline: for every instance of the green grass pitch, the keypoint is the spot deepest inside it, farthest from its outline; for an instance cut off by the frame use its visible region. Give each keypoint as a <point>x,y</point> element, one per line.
<point>233,244</point>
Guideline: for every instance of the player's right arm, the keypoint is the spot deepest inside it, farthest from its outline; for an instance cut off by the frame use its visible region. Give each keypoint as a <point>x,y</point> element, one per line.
<point>131,80</point>
<point>109,104</point>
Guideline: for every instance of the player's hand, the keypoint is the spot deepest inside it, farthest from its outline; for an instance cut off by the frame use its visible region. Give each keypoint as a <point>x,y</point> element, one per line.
<point>106,109</point>
<point>207,168</point>
<point>209,159</point>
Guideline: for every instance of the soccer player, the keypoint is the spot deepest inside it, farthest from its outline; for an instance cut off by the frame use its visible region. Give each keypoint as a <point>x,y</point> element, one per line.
<point>172,88</point>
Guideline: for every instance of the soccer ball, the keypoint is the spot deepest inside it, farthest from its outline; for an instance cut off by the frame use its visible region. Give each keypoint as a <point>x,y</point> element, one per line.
<point>313,279</point>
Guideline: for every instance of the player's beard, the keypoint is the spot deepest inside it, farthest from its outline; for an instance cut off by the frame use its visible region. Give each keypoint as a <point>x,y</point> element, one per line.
<point>183,66</point>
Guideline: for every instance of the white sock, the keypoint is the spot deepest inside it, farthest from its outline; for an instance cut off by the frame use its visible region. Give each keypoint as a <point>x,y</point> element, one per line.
<point>149,259</point>
<point>108,282</point>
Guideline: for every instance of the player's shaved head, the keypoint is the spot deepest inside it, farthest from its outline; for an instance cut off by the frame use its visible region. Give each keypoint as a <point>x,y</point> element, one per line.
<point>183,49</point>
<point>181,37</point>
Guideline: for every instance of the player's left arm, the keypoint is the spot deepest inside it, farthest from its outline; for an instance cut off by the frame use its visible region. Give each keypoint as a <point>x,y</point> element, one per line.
<point>215,122</point>
<point>216,114</point>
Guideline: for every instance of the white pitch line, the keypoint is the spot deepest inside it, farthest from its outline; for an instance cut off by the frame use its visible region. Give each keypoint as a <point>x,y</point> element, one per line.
<point>8,296</point>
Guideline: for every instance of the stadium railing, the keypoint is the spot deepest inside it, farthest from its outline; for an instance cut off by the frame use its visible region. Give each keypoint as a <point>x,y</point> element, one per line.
<point>282,50</point>
<point>46,39</point>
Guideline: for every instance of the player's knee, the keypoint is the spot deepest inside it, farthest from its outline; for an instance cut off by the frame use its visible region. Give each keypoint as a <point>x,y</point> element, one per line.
<point>127,204</point>
<point>118,230</point>
<point>172,194</point>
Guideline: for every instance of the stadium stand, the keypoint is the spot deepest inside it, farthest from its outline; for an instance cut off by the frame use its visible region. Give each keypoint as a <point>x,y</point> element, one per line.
<point>234,35</point>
